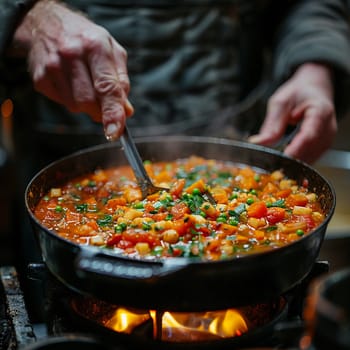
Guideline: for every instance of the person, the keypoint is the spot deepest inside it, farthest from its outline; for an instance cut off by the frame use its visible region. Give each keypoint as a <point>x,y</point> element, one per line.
<point>195,67</point>
<point>66,60</point>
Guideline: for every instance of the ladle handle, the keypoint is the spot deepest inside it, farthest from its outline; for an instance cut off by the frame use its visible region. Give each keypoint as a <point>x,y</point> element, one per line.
<point>133,157</point>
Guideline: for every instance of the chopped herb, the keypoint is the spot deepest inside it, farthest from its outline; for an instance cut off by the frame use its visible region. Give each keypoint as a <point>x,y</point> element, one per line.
<point>281,203</point>
<point>81,208</point>
<point>105,220</point>
<point>238,210</point>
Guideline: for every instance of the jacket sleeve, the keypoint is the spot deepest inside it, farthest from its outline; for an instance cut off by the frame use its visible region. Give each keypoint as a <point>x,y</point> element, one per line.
<point>11,13</point>
<point>315,31</point>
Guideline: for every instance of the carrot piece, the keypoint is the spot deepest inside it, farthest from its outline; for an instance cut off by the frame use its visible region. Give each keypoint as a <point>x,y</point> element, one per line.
<point>257,210</point>
<point>200,185</point>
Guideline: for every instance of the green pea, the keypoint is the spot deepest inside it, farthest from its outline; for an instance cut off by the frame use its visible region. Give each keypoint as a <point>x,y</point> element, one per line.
<point>250,201</point>
<point>300,232</point>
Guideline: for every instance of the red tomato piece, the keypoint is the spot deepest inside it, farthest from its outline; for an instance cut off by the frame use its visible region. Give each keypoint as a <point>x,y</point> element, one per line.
<point>181,226</point>
<point>283,193</point>
<point>257,210</point>
<point>136,237</point>
<point>177,188</point>
<point>179,210</point>
<point>275,214</point>
<point>115,239</point>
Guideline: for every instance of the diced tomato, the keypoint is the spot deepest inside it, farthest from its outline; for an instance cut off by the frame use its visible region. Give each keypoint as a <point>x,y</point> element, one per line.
<point>213,245</point>
<point>275,214</point>
<point>257,210</point>
<point>181,226</point>
<point>203,229</point>
<point>136,237</point>
<point>102,193</point>
<point>248,181</point>
<point>153,197</point>
<point>179,210</point>
<point>115,239</point>
<point>158,216</point>
<point>296,199</point>
<point>283,193</point>
<point>270,188</point>
<point>219,194</point>
<point>93,224</point>
<point>177,187</point>
<point>310,222</point>
<point>176,252</point>
<point>123,244</point>
<point>115,202</point>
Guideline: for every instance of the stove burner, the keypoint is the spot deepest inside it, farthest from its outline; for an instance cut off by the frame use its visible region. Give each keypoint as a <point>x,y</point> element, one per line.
<point>239,323</point>
<point>281,329</point>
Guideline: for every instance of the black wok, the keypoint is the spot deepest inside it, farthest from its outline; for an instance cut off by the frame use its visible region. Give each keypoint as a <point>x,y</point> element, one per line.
<point>178,283</point>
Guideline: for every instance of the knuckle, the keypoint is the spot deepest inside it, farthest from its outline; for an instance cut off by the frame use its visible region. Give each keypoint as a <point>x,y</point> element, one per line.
<point>278,100</point>
<point>108,85</point>
<point>121,51</point>
<point>96,39</point>
<point>52,63</point>
<point>124,82</point>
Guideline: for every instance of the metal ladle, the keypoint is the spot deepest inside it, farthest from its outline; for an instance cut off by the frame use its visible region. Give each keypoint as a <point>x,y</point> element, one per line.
<point>136,163</point>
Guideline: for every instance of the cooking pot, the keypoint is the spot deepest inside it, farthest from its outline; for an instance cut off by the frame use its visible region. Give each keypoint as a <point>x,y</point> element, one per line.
<point>179,284</point>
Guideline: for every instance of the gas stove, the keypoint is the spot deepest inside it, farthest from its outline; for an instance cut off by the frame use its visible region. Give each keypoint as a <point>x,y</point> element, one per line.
<point>73,319</point>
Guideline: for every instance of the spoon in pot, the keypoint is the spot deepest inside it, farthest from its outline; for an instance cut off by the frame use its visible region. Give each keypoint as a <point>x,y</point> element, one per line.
<point>136,163</point>
<point>142,178</point>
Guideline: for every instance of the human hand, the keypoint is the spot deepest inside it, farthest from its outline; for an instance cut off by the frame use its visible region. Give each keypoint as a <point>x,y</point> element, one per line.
<point>76,63</point>
<point>306,98</point>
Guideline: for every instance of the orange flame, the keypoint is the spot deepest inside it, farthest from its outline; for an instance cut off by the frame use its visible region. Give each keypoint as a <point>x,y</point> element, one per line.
<point>177,327</point>
<point>124,321</point>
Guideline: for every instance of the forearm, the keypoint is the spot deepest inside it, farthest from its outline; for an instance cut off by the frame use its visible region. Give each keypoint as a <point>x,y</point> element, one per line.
<point>314,31</point>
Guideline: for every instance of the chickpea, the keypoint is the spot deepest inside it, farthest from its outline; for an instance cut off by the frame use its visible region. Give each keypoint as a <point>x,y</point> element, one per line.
<point>171,236</point>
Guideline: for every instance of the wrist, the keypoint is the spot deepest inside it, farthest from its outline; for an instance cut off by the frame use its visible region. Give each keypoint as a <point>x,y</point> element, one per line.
<point>317,70</point>
<point>321,74</point>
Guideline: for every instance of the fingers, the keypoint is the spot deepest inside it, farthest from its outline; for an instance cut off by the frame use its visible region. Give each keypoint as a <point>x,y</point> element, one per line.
<point>48,76</point>
<point>316,134</point>
<point>310,105</point>
<point>275,123</point>
<point>83,90</point>
<point>87,73</point>
<point>109,74</point>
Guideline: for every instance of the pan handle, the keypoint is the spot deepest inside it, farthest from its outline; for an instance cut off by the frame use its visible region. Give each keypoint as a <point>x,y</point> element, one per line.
<point>90,261</point>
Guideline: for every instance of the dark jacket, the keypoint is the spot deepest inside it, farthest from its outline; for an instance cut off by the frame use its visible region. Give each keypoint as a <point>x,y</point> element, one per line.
<point>200,66</point>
